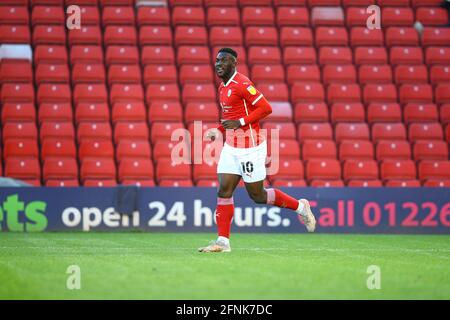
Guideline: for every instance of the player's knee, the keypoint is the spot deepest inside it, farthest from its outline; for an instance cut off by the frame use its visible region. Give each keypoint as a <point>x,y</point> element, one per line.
<point>225,193</point>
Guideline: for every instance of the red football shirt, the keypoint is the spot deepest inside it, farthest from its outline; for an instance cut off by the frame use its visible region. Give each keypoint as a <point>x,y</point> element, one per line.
<point>238,99</point>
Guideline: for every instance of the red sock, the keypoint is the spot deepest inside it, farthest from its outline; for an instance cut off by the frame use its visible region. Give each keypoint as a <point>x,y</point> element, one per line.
<point>224,215</point>
<point>280,199</point>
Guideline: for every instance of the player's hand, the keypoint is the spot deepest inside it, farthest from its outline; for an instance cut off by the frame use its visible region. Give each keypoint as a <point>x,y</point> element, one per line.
<point>231,124</point>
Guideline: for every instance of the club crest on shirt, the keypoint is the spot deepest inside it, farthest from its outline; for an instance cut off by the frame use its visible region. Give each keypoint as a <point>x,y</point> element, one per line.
<point>229,92</point>
<point>251,89</point>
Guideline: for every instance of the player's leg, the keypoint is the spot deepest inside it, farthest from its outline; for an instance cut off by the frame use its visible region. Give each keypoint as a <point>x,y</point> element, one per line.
<point>278,198</point>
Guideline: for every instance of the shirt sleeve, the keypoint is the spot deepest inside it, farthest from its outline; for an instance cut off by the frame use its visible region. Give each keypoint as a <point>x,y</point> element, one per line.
<point>254,97</point>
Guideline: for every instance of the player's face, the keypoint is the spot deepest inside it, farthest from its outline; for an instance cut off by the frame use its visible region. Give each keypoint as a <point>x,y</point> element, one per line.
<point>225,64</point>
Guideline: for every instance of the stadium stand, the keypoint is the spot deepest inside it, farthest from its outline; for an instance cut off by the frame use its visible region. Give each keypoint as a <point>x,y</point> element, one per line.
<point>97,106</point>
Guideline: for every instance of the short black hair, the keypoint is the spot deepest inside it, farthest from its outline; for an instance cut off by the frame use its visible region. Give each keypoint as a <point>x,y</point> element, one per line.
<point>230,51</point>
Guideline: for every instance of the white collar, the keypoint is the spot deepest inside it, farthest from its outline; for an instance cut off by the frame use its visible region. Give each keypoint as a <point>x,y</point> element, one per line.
<point>231,79</point>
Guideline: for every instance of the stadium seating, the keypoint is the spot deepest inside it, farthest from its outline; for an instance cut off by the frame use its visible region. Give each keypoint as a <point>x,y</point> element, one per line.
<point>97,106</point>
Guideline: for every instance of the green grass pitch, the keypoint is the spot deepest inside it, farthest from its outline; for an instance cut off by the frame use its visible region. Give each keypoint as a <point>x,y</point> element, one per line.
<point>261,266</point>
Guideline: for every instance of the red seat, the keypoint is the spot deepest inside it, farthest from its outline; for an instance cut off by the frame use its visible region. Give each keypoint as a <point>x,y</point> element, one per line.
<point>434,169</point>
<point>406,55</point>
<point>133,149</point>
<point>62,183</point>
<point>283,149</point>
<point>441,183</point>
<point>394,3</point>
<point>94,130</point>
<point>100,183</point>
<point>115,15</point>
<point>86,54</point>
<point>134,111</point>
<point>208,183</point>
<point>20,148</point>
<point>90,14</point>
<point>161,111</point>
<point>327,183</point>
<point>58,148</point>
<point>391,16</point>
<point>420,93</point>
<point>357,16</point>
<point>294,36</point>
<point>299,73</point>
<point>427,3</point>
<point>138,183</point>
<point>267,73</point>
<point>18,111</point>
<point>53,73</point>
<point>347,112</point>
<point>94,112</point>
<point>384,112</point>
<point>387,149</point>
<point>337,73</point>
<point>178,183</point>
<point>95,149</point>
<point>318,149</point>
<point>17,92</point>
<point>388,131</point>
<point>120,35</point>
<point>336,55</point>
<point>87,35</point>
<point>153,15</point>
<point>97,168</point>
<point>131,131</point>
<point>437,55</point>
<point>401,36</point>
<point>196,73</point>
<point>223,16</point>
<point>442,93</point>
<point>398,169</point>
<point>411,74</point>
<point>258,16</point>
<point>264,55</point>
<point>165,149</point>
<point>361,36</point>
<point>430,150</point>
<point>166,169</point>
<point>16,71</point>
<point>311,112</point>
<point>47,15</point>
<point>274,91</point>
<point>88,73</point>
<point>403,183</point>
<point>57,130</point>
<point>370,55</point>
<point>206,170</point>
<point>60,168</point>
<point>360,169</point>
<point>331,36</point>
<point>281,111</point>
<point>308,131</point>
<point>22,168</point>
<point>90,93</point>
<point>136,169</point>
<point>53,93</point>
<point>299,55</point>
<point>337,92</point>
<point>325,169</point>
<point>14,14</point>
<point>25,130</point>
<point>365,183</point>
<point>355,149</point>
<point>351,131</point>
<point>375,74</point>
<point>199,111</point>
<point>189,15</point>
<point>307,92</point>
<point>225,36</point>
<point>162,92</point>
<point>289,169</point>
<point>155,35</point>
<point>160,74</point>
<point>163,130</point>
<point>14,34</point>
<point>445,115</point>
<point>49,34</point>
<point>263,36</point>
<point>50,54</point>
<point>191,35</point>
<point>124,74</point>
<point>380,93</point>
<point>288,183</point>
<point>425,131</point>
<point>199,93</point>
<point>158,55</point>
<point>126,93</point>
<point>292,16</point>
<point>434,36</point>
<point>414,112</point>
<point>286,130</point>
<point>439,74</point>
